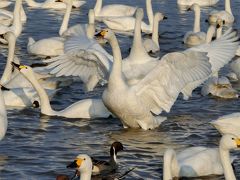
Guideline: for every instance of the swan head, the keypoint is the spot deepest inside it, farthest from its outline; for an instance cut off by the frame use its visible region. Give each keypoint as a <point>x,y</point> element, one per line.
<point>83,163</point>
<point>229,141</point>
<point>159,16</point>
<point>105,34</point>
<point>91,16</point>
<point>220,23</point>
<point>194,7</point>
<point>139,13</point>
<point>24,69</point>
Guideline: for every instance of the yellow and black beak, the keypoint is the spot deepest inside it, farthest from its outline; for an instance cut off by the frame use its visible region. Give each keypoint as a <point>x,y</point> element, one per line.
<point>18,66</point>
<point>165,17</point>
<point>237,142</point>
<point>101,34</point>
<point>75,164</point>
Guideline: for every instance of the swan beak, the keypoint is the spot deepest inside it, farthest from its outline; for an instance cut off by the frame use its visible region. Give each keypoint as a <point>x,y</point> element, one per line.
<point>18,66</point>
<point>4,88</point>
<point>238,142</point>
<point>218,26</point>
<point>75,164</point>
<point>165,17</point>
<point>188,9</point>
<point>101,34</point>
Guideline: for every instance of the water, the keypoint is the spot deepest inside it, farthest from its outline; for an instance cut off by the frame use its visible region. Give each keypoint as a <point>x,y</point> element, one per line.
<point>40,147</point>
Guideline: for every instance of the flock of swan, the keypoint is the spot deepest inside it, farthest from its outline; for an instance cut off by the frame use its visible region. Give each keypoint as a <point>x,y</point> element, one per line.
<point>138,88</point>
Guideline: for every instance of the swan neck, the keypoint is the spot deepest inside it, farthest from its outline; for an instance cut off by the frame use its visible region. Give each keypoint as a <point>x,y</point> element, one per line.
<point>155,36</point>
<point>86,175</point>
<point>32,3</point>
<point>228,6</point>
<point>90,31</point>
<point>219,32</point>
<point>17,24</point>
<point>8,68</point>
<point>44,100</point>
<point>138,51</point>
<point>2,106</point>
<point>149,11</point>
<point>66,18</point>
<point>197,27</point>
<point>170,164</point>
<point>226,163</point>
<point>210,33</point>
<point>98,7</point>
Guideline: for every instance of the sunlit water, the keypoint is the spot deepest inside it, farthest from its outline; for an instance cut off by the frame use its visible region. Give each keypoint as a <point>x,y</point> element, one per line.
<point>39,147</point>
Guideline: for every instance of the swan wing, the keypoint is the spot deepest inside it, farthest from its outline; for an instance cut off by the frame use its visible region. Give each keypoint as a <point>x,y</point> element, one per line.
<point>160,88</point>
<point>220,52</point>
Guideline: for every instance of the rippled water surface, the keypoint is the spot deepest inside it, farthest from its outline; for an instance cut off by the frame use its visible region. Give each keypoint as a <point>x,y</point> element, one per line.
<point>39,147</point>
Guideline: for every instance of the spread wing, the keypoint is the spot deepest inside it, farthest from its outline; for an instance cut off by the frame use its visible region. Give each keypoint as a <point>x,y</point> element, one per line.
<point>160,88</point>
<point>220,52</point>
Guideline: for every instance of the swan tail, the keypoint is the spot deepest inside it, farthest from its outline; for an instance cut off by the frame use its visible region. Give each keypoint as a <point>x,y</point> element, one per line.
<point>31,41</point>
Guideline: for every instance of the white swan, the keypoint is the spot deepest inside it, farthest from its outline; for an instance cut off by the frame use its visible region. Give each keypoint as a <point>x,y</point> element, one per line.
<point>112,10</point>
<point>83,164</point>
<point>87,108</point>
<point>124,24</point>
<point>219,87</point>
<point>88,60</point>
<point>152,94</point>
<point>4,3</point>
<point>3,115</point>
<point>201,161</point>
<point>152,45</point>
<point>16,27</point>
<point>199,2</point>
<point>218,57</point>
<point>195,37</point>
<point>226,15</point>
<point>228,124</point>
<point>235,67</point>
<point>54,4</point>
<point>53,46</point>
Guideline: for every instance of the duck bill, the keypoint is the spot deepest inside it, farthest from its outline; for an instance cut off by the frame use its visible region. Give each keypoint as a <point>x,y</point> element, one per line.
<point>17,66</point>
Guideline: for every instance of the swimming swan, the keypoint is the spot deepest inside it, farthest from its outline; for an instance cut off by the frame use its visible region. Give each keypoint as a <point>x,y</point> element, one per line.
<point>152,45</point>
<point>87,108</point>
<point>128,23</point>
<point>112,10</point>
<point>54,4</point>
<point>226,15</point>
<point>195,37</point>
<point>3,115</point>
<point>137,105</point>
<point>199,2</point>
<point>16,26</point>
<point>201,161</point>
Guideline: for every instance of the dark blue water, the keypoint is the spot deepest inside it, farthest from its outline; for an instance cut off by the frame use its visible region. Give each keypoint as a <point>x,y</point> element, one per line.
<point>39,147</point>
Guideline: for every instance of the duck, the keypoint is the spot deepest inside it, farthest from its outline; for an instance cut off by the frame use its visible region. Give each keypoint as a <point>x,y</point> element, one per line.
<point>54,4</point>
<point>195,37</point>
<point>127,23</point>
<point>83,163</point>
<point>201,161</point>
<point>86,108</point>
<point>104,167</point>
<point>3,114</point>
<point>199,2</point>
<point>226,15</point>
<point>151,88</point>
<point>219,87</point>
<point>112,10</point>
<point>92,63</point>
<point>152,45</point>
<point>16,26</point>
<point>228,124</point>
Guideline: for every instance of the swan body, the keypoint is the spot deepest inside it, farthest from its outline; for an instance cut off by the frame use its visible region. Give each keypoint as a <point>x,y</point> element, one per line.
<point>4,3</point>
<point>219,87</point>
<point>195,37</point>
<point>112,10</point>
<point>3,116</point>
<point>235,67</point>
<point>87,108</point>
<point>228,124</point>
<point>201,161</point>
<point>226,15</point>
<point>52,4</point>
<point>138,112</point>
<point>83,164</point>
<point>128,23</point>
<point>199,2</point>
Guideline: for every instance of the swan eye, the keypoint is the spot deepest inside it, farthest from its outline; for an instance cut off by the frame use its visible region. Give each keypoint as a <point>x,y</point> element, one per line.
<point>84,159</point>
<point>233,138</point>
